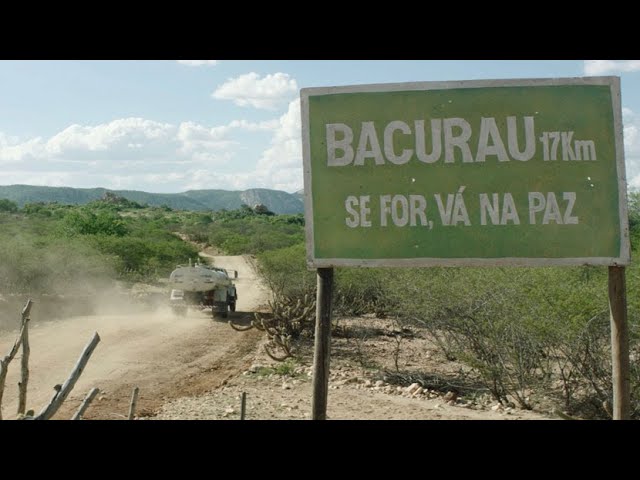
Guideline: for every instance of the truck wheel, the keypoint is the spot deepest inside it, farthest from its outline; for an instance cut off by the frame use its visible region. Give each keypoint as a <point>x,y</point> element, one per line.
<point>223,313</point>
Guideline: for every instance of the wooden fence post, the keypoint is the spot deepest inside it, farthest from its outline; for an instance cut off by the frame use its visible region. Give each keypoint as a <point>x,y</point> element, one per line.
<point>24,363</point>
<point>85,404</point>
<point>134,402</point>
<point>6,360</point>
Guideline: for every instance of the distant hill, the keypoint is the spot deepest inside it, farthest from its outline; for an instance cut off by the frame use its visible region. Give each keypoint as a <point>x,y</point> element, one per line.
<point>275,200</point>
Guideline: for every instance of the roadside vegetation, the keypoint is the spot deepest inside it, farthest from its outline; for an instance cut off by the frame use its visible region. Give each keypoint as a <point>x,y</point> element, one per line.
<point>527,334</point>
<point>246,231</point>
<point>54,249</point>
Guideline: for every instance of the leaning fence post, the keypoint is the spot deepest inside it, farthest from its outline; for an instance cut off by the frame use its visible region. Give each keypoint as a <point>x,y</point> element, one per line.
<point>24,363</point>
<point>6,360</point>
<point>134,402</point>
<point>63,391</point>
<point>85,404</point>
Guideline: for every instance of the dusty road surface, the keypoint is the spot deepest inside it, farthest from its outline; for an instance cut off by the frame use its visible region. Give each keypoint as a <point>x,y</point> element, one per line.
<point>195,367</point>
<point>164,355</point>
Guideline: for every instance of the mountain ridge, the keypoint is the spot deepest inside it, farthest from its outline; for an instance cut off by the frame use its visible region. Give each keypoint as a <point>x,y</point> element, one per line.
<point>277,201</point>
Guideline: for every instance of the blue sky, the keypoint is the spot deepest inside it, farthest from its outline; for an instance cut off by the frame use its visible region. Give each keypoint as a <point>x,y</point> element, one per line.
<point>171,126</point>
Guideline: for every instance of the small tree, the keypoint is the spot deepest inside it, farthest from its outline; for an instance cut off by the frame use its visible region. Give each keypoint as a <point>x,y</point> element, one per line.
<point>261,209</point>
<point>7,205</point>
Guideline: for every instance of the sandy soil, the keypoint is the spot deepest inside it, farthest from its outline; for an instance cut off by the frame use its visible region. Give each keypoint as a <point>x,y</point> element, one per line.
<point>359,389</point>
<point>164,355</point>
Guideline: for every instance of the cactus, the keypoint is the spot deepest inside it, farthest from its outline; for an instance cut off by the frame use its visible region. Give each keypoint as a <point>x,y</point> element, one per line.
<point>288,319</point>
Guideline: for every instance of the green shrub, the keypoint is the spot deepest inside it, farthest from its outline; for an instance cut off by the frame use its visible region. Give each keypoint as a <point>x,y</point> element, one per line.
<point>51,265</point>
<point>253,234</point>
<point>360,291</point>
<point>634,218</point>
<point>524,330</point>
<point>285,272</point>
<point>8,206</point>
<point>148,257</point>
<point>83,221</point>
<point>37,209</point>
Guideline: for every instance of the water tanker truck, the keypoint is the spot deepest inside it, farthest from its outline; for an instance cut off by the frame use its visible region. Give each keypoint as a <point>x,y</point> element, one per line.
<point>203,286</point>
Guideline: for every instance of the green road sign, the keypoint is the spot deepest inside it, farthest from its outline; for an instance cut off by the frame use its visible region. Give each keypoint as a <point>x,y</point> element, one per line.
<point>491,172</point>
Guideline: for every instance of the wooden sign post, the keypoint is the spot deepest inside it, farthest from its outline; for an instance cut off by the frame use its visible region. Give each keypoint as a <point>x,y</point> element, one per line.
<point>322,352</point>
<point>619,344</point>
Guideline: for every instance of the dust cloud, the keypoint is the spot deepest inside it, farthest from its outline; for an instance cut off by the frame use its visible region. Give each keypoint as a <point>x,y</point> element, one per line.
<point>67,277</point>
<point>85,297</point>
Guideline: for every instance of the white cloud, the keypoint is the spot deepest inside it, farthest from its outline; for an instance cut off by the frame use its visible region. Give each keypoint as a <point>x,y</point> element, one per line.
<point>252,90</point>
<point>281,163</point>
<point>603,67</point>
<point>119,134</point>
<point>631,122</point>
<point>195,138</point>
<point>254,127</point>
<point>137,153</point>
<point>13,151</point>
<point>129,140</point>
<point>279,167</point>
<point>286,146</point>
<point>198,63</point>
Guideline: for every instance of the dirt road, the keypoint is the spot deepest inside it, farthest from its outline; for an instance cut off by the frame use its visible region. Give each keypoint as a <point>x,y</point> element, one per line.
<point>194,367</point>
<point>166,356</point>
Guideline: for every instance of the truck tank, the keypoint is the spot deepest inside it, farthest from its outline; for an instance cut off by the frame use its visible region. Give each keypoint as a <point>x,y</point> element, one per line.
<point>202,286</point>
<point>198,278</point>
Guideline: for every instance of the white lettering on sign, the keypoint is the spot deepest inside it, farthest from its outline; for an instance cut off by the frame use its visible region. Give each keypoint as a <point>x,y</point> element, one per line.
<point>492,209</point>
<point>368,146</point>
<point>406,154</point>
<point>578,150</point>
<point>460,140</point>
<point>358,218</point>
<point>450,140</point>
<point>343,144</point>
<point>403,210</point>
<point>495,209</point>
<point>548,204</point>
<point>489,132</point>
<point>418,205</point>
<point>529,142</point>
<point>455,210</point>
<point>436,144</point>
<point>509,212</point>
